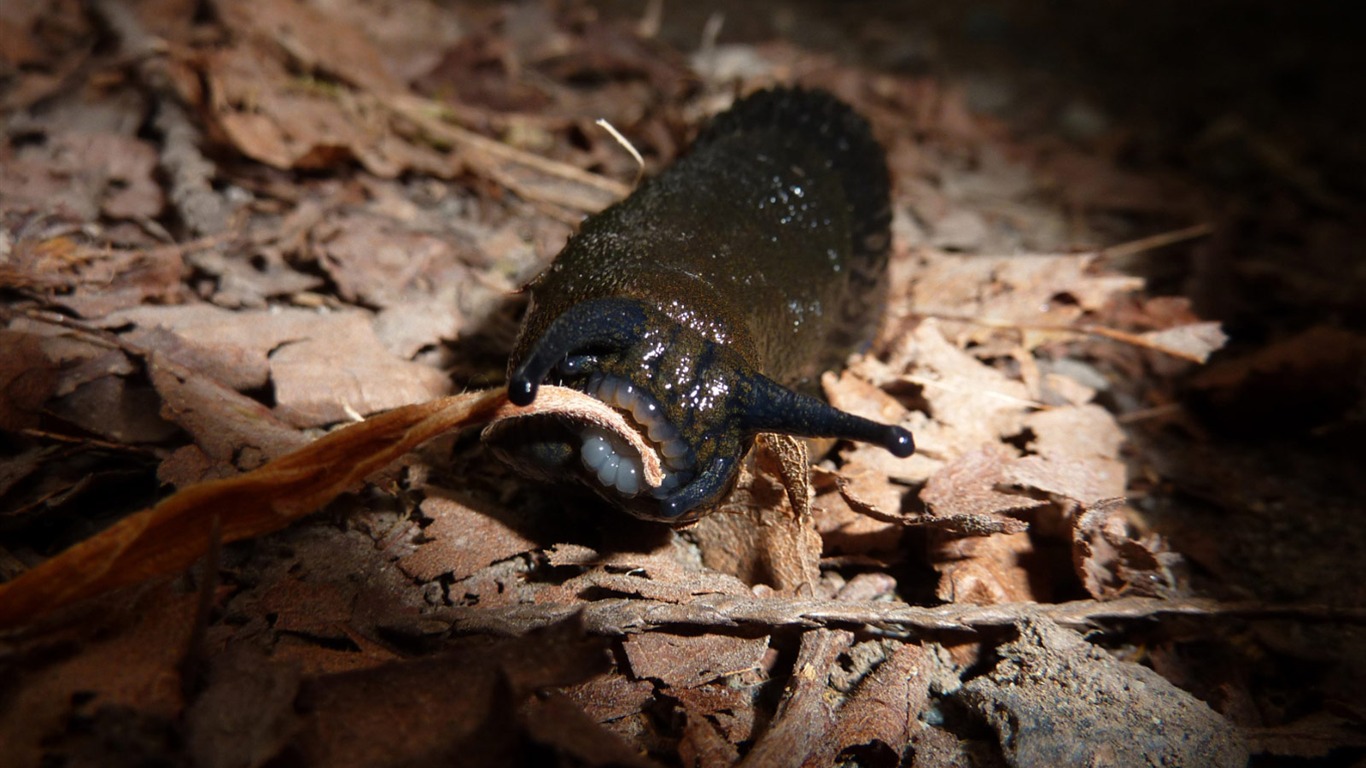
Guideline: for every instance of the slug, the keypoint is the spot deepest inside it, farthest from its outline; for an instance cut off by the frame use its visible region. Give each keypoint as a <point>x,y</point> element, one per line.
<point>706,305</point>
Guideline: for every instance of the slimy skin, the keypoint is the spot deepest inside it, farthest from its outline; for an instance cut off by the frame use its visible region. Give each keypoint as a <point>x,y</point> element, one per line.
<point>707,303</point>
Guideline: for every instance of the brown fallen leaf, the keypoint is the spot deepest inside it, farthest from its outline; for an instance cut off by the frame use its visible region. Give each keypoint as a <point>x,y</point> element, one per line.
<point>28,377</point>
<point>555,721</point>
<point>756,536</point>
<point>1075,454</point>
<point>93,279</point>
<point>704,746</point>
<point>883,710</point>
<point>132,664</point>
<point>461,539</point>
<point>687,661</point>
<point>170,536</point>
<point>246,712</point>
<point>728,705</point>
<point>232,432</point>
<point>316,386</point>
<point>297,350</point>
<point>985,570</point>
<point>1111,562</point>
<point>668,573</point>
<point>274,116</point>
<point>969,404</point>
<point>377,261</point>
<point>807,713</point>
<point>611,697</point>
<point>844,529</point>
<point>964,496</point>
<point>464,706</point>
<point>88,174</point>
<point>976,295</point>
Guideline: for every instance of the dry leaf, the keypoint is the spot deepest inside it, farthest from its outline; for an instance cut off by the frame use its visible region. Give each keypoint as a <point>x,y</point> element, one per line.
<point>687,661</point>
<point>461,540</point>
<point>963,497</point>
<point>1111,562</point>
<point>170,536</point>
<point>884,709</point>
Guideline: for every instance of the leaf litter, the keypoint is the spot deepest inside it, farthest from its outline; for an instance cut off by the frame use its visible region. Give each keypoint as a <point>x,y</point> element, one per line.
<point>328,568</point>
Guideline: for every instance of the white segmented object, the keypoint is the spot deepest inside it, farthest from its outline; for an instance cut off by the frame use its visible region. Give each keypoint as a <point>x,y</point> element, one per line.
<point>614,463</point>
<point>646,412</point>
<point>628,478</point>
<point>662,431</point>
<point>607,473</point>
<point>595,449</point>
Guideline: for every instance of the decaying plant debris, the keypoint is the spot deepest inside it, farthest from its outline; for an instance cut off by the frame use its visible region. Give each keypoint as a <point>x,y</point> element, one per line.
<point>260,264</point>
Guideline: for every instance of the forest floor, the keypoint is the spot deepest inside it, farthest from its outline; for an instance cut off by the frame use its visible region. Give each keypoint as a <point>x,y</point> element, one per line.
<point>260,264</point>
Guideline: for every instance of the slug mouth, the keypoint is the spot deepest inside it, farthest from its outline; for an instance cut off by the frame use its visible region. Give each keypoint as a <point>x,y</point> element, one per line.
<point>724,400</point>
<point>614,464</point>
<point>598,441</point>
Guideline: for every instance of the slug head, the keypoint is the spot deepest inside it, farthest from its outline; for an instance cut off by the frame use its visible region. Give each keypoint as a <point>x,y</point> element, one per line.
<point>698,402</point>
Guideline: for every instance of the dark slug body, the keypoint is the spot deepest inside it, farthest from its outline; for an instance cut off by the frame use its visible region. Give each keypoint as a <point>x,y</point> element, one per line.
<point>750,266</point>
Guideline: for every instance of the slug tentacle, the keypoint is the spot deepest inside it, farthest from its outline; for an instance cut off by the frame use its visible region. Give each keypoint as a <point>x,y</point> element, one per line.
<point>612,323</point>
<point>767,406</point>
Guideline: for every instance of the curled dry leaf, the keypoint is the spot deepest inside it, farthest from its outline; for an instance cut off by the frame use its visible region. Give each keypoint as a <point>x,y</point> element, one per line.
<point>756,535</point>
<point>28,377</point>
<point>1075,454</point>
<point>969,404</point>
<point>963,497</point>
<point>997,292</point>
<point>231,431</point>
<point>1111,562</point>
<point>844,529</point>
<point>807,712</point>
<point>985,570</point>
<point>669,574</point>
<point>1195,342</point>
<point>566,407</point>
<point>297,350</point>
<point>93,280</point>
<point>170,536</point>
<point>883,709</point>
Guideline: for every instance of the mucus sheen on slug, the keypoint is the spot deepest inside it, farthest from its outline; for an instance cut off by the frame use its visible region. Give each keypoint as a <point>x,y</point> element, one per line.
<point>707,304</point>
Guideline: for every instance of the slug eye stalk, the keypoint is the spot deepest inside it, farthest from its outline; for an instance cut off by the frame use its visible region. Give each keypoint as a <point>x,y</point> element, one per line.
<point>596,324</point>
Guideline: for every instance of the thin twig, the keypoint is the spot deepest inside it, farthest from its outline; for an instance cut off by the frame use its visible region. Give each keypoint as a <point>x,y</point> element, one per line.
<point>626,616</point>
<point>1084,329</point>
<point>623,141</point>
<point>426,114</point>
<point>1153,242</point>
